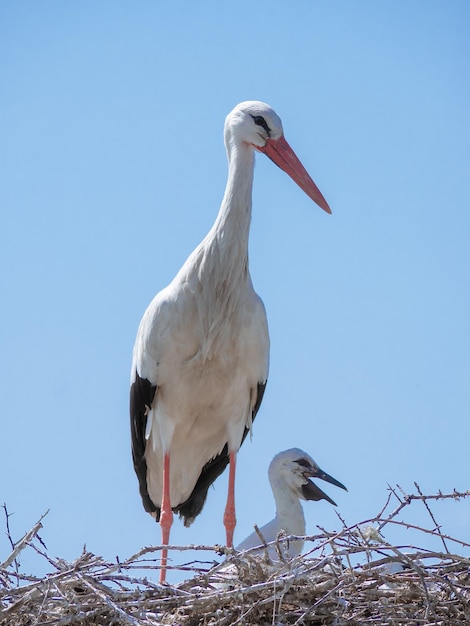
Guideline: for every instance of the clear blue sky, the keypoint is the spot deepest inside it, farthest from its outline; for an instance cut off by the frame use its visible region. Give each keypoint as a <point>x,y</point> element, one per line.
<point>112,171</point>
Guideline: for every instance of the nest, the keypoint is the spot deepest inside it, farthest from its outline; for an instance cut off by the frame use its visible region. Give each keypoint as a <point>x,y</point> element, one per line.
<point>352,576</point>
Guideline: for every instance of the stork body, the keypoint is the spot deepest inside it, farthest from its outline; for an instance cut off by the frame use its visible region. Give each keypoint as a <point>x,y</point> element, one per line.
<point>289,474</point>
<point>200,361</point>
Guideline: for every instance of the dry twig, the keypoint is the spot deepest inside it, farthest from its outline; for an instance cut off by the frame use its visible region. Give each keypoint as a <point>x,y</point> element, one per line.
<point>345,578</point>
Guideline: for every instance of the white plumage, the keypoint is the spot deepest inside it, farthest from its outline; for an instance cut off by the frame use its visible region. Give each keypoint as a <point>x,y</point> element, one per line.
<point>201,355</point>
<point>289,474</point>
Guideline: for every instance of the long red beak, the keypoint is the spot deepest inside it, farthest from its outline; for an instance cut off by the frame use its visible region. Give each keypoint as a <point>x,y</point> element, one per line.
<point>279,151</point>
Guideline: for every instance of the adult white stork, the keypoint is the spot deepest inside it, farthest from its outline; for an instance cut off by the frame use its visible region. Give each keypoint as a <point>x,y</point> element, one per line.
<point>200,360</point>
<point>289,474</point>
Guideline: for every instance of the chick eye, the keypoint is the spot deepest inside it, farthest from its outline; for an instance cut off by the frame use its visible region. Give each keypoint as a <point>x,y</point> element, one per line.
<point>260,121</point>
<point>303,463</point>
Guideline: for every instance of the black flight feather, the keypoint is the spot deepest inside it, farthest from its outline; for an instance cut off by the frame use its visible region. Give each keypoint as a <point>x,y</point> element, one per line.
<point>141,398</point>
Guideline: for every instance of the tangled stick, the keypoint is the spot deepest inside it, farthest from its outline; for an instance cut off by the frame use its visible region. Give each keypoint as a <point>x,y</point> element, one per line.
<point>352,576</point>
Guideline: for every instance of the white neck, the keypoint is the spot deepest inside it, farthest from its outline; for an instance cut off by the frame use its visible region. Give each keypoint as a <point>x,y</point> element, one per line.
<point>232,226</point>
<point>225,248</point>
<point>219,265</point>
<point>289,511</point>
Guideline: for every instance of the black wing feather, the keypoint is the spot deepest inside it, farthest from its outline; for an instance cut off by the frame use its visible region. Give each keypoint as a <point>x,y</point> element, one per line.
<point>141,398</point>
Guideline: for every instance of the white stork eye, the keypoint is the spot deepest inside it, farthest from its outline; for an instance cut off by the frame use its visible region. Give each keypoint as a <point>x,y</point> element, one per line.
<point>260,121</point>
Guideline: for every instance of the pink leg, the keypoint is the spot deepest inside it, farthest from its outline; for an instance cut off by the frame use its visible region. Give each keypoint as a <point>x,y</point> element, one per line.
<point>229,516</point>
<point>166,515</point>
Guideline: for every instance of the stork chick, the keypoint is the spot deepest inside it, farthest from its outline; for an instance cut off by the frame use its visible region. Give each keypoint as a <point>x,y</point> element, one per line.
<point>289,474</point>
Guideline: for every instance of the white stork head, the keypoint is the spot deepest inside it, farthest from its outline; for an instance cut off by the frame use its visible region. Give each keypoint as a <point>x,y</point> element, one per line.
<point>291,470</point>
<point>258,125</point>
<point>253,122</point>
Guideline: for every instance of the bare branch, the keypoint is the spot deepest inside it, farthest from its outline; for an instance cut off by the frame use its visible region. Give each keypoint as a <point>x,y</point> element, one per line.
<point>22,543</point>
<point>347,577</point>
